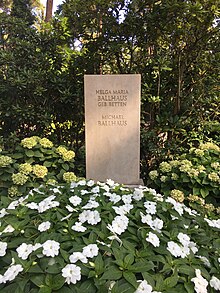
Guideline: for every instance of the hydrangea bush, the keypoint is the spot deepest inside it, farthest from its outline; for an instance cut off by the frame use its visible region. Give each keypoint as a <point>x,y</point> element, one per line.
<point>195,174</point>
<point>34,160</point>
<point>103,237</point>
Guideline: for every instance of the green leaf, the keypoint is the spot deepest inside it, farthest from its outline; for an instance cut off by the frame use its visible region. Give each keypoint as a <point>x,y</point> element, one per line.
<point>130,277</point>
<point>99,264</point>
<point>38,280</point>
<point>29,153</point>
<point>58,282</point>
<point>112,273</point>
<point>87,286</point>
<point>204,192</point>
<point>170,282</point>
<point>45,289</point>
<point>122,287</point>
<point>65,167</point>
<point>141,266</point>
<point>47,164</point>
<point>128,260</point>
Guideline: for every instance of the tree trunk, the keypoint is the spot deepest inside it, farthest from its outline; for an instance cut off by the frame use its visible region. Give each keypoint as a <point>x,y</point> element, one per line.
<point>49,9</point>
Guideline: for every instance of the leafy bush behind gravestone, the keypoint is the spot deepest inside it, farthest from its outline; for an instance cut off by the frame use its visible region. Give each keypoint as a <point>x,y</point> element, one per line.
<point>102,238</point>
<point>34,161</point>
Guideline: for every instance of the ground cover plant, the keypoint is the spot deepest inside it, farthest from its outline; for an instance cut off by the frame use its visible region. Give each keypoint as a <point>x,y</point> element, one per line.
<point>103,237</point>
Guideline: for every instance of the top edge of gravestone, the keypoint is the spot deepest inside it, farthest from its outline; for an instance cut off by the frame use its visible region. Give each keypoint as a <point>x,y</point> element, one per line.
<point>107,75</point>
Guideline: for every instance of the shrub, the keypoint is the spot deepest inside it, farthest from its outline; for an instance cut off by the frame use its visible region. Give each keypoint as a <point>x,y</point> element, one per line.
<point>87,237</point>
<point>196,173</point>
<point>33,161</point>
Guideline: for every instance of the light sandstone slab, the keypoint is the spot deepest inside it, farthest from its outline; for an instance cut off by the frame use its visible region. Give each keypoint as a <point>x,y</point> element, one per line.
<point>112,125</point>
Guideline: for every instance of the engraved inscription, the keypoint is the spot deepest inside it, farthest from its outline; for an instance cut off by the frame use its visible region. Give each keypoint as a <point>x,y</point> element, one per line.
<point>110,98</point>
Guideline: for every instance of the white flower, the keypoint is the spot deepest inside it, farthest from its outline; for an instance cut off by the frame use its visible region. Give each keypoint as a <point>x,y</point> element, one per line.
<point>95,189</point>
<point>32,206</point>
<point>90,250</point>
<point>92,217</point>
<point>146,218</point>
<point>91,204</point>
<point>3,213</point>
<point>150,207</point>
<point>75,200</point>
<point>71,273</point>
<point>119,225</point>
<point>213,223</point>
<point>69,208</point>
<point>215,283</point>
<point>65,218</point>
<point>138,194</point>
<point>144,287</point>
<point>114,197</point>
<point>157,224</point>
<point>37,246</point>
<point>81,183</point>
<point>90,183</point>
<point>192,246</point>
<point>124,209</point>
<point>12,272</point>
<point>24,250</point>
<point>200,282</point>
<point>153,239</point>
<point>204,260</point>
<point>51,248</point>
<point>8,229</point>
<point>174,248</point>
<point>3,248</point>
<point>78,227</point>
<point>44,226</point>
<point>83,192</point>
<point>126,198</point>
<point>75,256</point>
<point>13,205</point>
<point>110,182</point>
<point>184,239</point>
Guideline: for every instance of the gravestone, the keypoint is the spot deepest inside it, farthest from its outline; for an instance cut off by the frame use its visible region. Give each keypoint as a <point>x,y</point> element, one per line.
<point>112,125</point>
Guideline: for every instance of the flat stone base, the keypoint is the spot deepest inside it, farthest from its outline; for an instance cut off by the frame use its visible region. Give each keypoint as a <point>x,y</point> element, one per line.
<point>135,185</point>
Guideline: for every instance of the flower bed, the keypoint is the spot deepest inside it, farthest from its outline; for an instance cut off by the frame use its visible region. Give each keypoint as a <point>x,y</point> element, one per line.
<point>87,237</point>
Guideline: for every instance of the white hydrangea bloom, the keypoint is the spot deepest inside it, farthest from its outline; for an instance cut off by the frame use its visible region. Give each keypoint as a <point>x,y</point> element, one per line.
<point>215,283</point>
<point>75,256</point>
<point>153,239</point>
<point>71,273</point>
<point>200,282</point>
<point>51,248</point>
<point>44,226</point>
<point>90,250</point>
<point>3,248</point>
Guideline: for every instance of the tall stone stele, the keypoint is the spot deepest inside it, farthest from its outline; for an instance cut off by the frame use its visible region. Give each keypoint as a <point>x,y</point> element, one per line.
<point>112,124</point>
